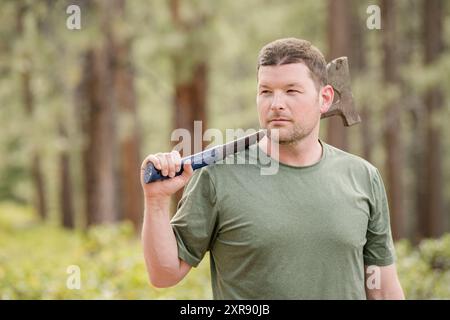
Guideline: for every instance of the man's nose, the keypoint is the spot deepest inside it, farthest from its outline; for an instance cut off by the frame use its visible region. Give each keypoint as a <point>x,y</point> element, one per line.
<point>277,102</point>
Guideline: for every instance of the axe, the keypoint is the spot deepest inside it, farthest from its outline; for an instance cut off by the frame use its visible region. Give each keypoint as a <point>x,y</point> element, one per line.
<point>343,106</point>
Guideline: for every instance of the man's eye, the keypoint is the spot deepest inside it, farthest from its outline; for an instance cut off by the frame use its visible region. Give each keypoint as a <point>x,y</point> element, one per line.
<point>264,91</point>
<point>293,91</point>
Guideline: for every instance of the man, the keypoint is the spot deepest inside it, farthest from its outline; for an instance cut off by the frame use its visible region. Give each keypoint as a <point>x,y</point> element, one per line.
<point>314,230</point>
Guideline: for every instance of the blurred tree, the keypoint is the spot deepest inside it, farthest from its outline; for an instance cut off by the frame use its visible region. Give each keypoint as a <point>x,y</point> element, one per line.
<point>358,66</point>
<point>411,53</point>
<point>432,218</point>
<point>98,122</point>
<point>128,135</point>
<point>99,116</point>
<point>28,102</point>
<point>190,72</point>
<point>393,145</point>
<point>110,121</point>
<point>339,44</point>
<point>65,185</point>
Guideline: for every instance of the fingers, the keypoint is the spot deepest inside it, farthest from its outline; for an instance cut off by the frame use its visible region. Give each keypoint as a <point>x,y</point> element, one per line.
<point>176,160</point>
<point>168,163</point>
<point>163,162</point>
<point>151,159</point>
<point>187,170</point>
<point>173,163</point>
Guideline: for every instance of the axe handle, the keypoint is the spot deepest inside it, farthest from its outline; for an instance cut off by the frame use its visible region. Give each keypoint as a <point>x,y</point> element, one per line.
<point>198,161</point>
<point>209,156</point>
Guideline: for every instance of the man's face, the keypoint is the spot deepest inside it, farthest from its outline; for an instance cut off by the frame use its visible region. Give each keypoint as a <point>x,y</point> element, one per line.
<point>288,100</point>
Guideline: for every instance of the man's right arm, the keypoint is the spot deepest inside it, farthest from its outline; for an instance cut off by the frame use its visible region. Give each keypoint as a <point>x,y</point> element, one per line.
<point>160,248</point>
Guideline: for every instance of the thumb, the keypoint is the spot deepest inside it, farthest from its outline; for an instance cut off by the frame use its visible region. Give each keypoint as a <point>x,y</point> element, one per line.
<point>187,173</point>
<point>187,170</point>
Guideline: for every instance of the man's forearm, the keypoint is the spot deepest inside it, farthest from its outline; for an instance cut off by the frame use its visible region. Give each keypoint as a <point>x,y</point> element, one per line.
<point>389,284</point>
<point>159,243</point>
<point>395,293</point>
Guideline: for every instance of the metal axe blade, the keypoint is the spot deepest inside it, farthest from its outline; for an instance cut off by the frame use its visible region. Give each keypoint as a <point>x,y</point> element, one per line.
<point>343,105</point>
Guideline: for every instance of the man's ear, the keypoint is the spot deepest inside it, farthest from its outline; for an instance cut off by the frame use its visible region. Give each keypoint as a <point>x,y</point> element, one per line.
<point>326,96</point>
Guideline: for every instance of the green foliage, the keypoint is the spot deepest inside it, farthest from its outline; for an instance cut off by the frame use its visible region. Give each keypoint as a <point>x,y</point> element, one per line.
<point>425,271</point>
<point>34,259</point>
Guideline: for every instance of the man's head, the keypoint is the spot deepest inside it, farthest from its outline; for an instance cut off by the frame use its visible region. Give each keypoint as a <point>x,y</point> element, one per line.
<point>292,88</point>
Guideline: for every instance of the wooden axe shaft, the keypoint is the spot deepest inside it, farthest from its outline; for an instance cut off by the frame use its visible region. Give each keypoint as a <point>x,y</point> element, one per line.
<point>207,157</point>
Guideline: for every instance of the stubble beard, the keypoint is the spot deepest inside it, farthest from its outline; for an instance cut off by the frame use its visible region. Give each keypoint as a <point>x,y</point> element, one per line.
<point>292,135</point>
<point>288,136</point>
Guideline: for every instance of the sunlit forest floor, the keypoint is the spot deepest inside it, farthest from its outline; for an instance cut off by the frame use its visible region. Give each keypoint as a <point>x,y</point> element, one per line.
<point>34,259</point>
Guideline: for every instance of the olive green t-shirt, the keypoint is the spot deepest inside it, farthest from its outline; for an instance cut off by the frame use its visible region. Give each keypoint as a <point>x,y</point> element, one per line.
<point>302,233</point>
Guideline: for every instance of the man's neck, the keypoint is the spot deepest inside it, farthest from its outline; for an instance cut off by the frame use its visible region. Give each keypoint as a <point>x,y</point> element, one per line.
<point>305,152</point>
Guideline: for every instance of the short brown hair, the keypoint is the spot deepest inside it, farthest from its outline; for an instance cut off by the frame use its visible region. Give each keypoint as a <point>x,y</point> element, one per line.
<point>293,50</point>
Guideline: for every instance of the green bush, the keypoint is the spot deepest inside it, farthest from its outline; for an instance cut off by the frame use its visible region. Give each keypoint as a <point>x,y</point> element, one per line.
<point>34,258</point>
<point>424,271</point>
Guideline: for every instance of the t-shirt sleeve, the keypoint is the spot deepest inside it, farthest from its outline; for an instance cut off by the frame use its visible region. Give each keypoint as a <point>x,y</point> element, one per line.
<point>194,223</point>
<point>379,248</point>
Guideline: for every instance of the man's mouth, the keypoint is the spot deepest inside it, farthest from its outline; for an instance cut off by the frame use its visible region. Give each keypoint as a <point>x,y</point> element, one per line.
<point>279,120</point>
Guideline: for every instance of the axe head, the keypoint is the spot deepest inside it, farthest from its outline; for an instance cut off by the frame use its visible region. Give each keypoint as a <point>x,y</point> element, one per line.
<point>339,79</point>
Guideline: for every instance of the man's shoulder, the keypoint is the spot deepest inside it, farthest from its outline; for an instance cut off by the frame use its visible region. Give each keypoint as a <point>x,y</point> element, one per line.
<point>242,164</point>
<point>350,161</point>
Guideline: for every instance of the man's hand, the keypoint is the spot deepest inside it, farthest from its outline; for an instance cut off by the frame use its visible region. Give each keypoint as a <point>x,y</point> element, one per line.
<point>168,163</point>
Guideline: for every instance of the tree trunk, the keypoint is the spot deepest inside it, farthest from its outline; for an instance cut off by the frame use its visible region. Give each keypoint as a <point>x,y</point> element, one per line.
<point>99,155</point>
<point>37,177</point>
<point>393,144</point>
<point>339,17</point>
<point>65,192</point>
<point>190,78</point>
<point>39,188</point>
<point>190,98</point>
<point>112,158</point>
<point>124,92</point>
<point>432,218</point>
<point>357,58</point>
